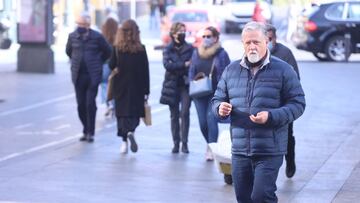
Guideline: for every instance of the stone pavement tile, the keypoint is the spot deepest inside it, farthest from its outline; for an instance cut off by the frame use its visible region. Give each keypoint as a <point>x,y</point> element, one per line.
<point>350,192</point>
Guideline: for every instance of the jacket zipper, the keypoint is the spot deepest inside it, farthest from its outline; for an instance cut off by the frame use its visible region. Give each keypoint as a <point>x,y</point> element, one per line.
<point>250,98</point>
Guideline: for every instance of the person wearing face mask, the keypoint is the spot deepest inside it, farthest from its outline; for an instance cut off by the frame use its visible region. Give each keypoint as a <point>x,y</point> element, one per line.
<point>262,95</point>
<point>209,58</point>
<point>284,53</point>
<point>87,50</point>
<point>175,90</point>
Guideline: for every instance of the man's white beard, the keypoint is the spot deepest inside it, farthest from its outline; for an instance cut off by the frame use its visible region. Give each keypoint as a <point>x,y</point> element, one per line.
<point>253,57</point>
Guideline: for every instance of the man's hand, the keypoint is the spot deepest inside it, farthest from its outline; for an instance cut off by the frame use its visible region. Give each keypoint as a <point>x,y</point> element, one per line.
<point>260,117</point>
<point>225,109</point>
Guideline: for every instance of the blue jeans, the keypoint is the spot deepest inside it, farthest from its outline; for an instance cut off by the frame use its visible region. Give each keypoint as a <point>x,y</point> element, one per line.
<point>207,120</point>
<point>255,177</point>
<point>104,83</point>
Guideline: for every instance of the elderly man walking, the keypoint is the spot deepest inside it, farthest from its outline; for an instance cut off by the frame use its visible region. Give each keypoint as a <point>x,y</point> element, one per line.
<point>262,95</point>
<point>88,50</point>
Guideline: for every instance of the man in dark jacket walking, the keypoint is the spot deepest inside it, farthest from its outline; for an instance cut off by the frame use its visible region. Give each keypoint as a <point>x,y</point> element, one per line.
<point>87,50</point>
<point>281,51</point>
<point>262,95</point>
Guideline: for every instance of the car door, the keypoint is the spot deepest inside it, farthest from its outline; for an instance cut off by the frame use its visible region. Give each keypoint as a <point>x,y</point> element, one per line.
<point>354,23</point>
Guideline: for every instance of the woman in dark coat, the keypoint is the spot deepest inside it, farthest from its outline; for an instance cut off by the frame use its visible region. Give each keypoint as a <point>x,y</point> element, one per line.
<point>131,84</point>
<point>210,55</point>
<point>175,91</point>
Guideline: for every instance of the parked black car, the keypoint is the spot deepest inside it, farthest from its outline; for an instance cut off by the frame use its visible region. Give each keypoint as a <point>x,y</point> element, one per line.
<point>330,31</point>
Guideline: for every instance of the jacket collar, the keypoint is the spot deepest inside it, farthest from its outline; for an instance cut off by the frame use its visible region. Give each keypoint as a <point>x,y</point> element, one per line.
<point>89,34</point>
<point>209,52</point>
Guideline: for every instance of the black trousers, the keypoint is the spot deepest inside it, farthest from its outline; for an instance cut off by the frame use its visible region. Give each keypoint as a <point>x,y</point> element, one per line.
<point>180,117</point>
<point>86,102</point>
<point>126,125</point>
<point>290,156</point>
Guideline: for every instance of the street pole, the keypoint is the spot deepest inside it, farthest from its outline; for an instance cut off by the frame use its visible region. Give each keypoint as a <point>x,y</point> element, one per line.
<point>133,9</point>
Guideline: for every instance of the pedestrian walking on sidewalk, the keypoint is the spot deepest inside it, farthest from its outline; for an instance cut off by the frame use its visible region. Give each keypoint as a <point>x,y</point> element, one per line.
<point>88,50</point>
<point>209,58</point>
<point>284,53</point>
<point>131,83</point>
<point>262,94</point>
<point>175,90</point>
<point>108,29</point>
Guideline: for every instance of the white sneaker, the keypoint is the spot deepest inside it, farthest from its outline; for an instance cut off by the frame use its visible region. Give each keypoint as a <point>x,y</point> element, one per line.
<point>209,155</point>
<point>124,148</point>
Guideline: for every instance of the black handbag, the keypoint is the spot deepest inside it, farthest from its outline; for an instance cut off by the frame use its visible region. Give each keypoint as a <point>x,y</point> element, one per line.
<point>201,85</point>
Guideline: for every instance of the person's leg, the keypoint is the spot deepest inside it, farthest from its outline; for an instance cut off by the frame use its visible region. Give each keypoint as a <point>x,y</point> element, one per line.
<point>175,127</point>
<point>185,119</point>
<point>213,128</point>
<point>242,175</point>
<point>80,91</point>
<point>123,135</point>
<point>126,130</point>
<point>201,108</point>
<point>266,170</point>
<point>131,125</point>
<point>91,109</point>
<point>290,156</point>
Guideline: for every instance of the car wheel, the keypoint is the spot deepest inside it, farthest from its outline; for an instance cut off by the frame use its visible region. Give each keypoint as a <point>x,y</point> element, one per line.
<point>228,179</point>
<point>320,56</point>
<point>336,49</point>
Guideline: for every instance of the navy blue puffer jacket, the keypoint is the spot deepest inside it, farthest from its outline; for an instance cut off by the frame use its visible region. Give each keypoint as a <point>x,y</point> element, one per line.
<point>94,50</point>
<point>176,73</point>
<point>274,88</point>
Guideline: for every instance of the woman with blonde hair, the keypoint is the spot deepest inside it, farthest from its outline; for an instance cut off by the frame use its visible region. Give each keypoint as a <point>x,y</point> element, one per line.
<point>210,58</point>
<point>108,30</point>
<point>131,84</point>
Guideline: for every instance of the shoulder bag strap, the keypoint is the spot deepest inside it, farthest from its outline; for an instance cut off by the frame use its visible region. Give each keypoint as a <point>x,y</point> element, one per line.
<point>212,68</point>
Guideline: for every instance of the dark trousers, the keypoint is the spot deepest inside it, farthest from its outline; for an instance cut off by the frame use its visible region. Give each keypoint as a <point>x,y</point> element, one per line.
<point>255,177</point>
<point>126,125</point>
<point>86,102</point>
<point>180,117</point>
<point>290,156</point>
<point>207,120</point>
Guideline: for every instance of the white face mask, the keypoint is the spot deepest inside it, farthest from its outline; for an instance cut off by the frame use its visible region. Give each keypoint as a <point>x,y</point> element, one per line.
<point>207,42</point>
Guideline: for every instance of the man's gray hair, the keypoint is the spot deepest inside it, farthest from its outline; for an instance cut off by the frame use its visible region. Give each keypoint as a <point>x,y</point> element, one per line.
<point>254,26</point>
<point>86,16</point>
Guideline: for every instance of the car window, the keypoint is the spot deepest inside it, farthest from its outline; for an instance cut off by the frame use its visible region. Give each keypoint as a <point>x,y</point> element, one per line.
<point>190,17</point>
<point>354,12</point>
<point>335,12</point>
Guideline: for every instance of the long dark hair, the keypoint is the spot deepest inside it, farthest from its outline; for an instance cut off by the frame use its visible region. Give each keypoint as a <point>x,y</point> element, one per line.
<point>128,37</point>
<point>109,29</point>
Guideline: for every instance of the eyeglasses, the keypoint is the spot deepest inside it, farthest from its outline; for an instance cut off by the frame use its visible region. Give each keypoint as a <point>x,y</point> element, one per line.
<point>207,36</point>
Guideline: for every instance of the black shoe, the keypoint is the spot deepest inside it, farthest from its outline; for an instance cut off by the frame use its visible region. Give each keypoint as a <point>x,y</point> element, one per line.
<point>184,148</point>
<point>84,138</point>
<point>133,145</point>
<point>90,138</point>
<point>290,168</point>
<point>175,149</point>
